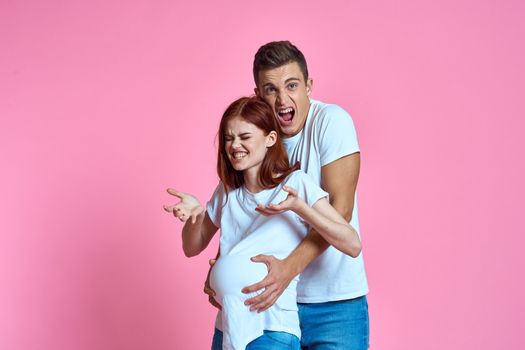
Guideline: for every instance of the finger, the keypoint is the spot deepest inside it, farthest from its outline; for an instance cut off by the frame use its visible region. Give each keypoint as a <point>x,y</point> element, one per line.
<point>214,302</point>
<point>168,208</point>
<point>266,211</point>
<point>207,290</point>
<point>212,262</point>
<point>272,207</point>
<point>176,193</point>
<point>262,211</point>
<point>181,217</point>
<point>290,190</point>
<point>178,214</point>
<point>265,305</point>
<point>262,258</point>
<point>265,282</point>
<point>260,300</point>
<point>277,208</point>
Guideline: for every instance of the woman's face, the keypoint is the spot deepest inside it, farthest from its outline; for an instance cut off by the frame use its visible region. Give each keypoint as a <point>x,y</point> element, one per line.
<point>246,145</point>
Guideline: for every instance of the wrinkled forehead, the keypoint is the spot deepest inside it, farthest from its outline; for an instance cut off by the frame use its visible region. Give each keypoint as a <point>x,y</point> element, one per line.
<point>281,74</point>
<point>238,125</point>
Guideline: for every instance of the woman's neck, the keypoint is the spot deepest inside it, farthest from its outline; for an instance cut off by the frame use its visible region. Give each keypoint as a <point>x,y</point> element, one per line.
<point>251,180</point>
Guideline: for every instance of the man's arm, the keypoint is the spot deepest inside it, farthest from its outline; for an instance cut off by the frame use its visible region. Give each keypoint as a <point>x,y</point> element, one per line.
<point>339,178</point>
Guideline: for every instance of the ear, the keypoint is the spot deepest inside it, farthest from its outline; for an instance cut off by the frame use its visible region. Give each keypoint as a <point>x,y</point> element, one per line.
<point>256,91</point>
<point>309,84</point>
<point>271,138</point>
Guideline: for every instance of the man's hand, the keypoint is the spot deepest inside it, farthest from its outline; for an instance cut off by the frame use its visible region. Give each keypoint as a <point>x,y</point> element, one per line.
<point>207,288</point>
<point>278,278</point>
<point>188,207</point>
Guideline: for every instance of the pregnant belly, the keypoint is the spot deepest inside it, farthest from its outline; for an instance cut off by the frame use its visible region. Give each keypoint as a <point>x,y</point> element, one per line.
<point>231,273</point>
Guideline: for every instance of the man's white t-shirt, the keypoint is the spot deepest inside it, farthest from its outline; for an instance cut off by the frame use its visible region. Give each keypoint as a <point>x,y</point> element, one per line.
<point>246,233</point>
<point>329,134</point>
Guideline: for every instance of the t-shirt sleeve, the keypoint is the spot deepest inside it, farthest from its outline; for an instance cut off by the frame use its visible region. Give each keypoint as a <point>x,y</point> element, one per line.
<point>215,204</point>
<point>306,188</point>
<point>337,135</point>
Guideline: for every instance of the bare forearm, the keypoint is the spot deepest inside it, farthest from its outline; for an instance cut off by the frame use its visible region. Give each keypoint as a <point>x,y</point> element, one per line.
<point>339,234</point>
<point>307,251</point>
<point>193,241</point>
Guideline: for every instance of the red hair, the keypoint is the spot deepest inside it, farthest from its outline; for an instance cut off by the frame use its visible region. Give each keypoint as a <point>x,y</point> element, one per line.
<point>275,166</point>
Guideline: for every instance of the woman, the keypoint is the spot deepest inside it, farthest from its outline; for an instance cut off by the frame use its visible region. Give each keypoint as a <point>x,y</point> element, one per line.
<point>254,171</point>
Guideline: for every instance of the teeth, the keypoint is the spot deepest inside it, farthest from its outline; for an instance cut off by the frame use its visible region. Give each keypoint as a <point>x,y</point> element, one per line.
<point>287,110</point>
<point>239,155</point>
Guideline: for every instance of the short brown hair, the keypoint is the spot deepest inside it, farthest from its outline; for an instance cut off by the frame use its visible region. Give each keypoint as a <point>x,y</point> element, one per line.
<point>255,111</point>
<point>276,54</point>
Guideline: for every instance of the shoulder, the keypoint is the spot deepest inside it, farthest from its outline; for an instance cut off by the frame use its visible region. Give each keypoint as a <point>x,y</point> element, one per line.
<point>295,175</point>
<point>330,119</point>
<point>222,194</point>
<point>330,114</point>
<point>297,178</point>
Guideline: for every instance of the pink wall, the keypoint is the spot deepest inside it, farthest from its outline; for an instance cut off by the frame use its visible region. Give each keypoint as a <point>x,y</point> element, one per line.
<point>104,104</point>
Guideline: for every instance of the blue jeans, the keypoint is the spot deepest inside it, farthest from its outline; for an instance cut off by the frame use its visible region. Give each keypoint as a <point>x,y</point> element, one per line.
<point>268,341</point>
<point>336,325</point>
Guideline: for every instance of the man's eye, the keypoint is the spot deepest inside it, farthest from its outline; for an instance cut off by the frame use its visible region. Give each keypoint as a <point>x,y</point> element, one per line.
<point>245,137</point>
<point>270,90</point>
<point>228,139</point>
<point>293,86</point>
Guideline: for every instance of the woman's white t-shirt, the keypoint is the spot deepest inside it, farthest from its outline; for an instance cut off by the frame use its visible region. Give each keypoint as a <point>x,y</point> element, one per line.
<point>246,233</point>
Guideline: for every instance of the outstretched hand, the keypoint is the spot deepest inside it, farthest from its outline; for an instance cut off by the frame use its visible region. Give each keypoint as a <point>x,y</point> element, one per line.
<point>188,207</point>
<point>274,284</point>
<point>292,202</point>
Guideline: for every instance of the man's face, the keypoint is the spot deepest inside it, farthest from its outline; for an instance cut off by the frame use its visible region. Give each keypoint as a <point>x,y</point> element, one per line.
<point>285,90</point>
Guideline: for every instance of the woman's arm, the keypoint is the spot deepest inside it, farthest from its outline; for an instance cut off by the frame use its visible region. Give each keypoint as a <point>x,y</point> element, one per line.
<point>198,228</point>
<point>197,235</point>
<point>324,219</point>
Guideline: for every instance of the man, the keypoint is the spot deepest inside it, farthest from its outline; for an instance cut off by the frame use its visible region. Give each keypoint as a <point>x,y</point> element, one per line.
<point>332,290</point>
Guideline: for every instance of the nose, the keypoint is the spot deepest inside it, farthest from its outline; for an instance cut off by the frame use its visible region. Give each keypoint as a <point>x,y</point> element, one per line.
<point>236,143</point>
<point>282,97</point>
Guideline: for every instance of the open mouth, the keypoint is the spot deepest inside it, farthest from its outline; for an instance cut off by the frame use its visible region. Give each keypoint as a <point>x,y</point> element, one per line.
<point>286,115</point>
<point>239,155</point>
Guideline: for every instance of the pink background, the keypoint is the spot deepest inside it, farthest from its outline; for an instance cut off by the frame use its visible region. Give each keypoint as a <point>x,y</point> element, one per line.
<point>104,104</point>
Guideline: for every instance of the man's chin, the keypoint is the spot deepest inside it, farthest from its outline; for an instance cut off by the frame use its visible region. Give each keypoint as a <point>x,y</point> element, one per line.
<point>287,131</point>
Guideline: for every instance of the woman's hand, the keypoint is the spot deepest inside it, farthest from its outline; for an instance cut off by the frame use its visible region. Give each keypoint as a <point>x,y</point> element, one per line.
<point>188,207</point>
<point>207,288</point>
<point>292,202</point>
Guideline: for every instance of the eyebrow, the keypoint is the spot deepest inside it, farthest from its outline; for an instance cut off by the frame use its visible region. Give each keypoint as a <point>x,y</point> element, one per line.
<point>243,134</point>
<point>286,82</point>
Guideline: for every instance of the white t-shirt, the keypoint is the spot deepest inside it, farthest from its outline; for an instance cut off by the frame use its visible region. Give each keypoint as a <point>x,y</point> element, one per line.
<point>328,134</point>
<point>246,233</point>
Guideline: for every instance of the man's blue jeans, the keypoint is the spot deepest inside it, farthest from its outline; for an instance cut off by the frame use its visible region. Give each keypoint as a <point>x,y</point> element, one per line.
<point>268,341</point>
<point>336,325</point>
